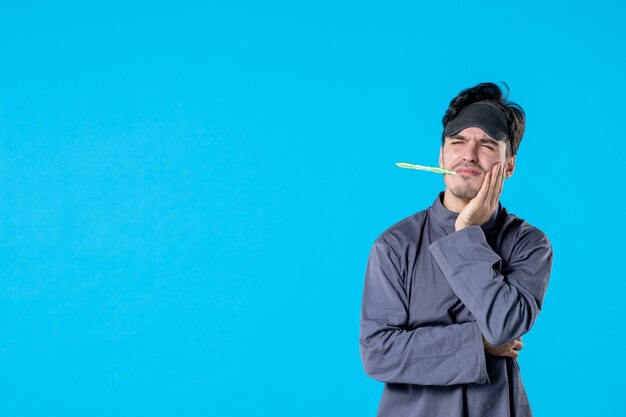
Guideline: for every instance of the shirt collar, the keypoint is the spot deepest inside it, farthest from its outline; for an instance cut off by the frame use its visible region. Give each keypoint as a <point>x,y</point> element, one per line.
<point>447,218</point>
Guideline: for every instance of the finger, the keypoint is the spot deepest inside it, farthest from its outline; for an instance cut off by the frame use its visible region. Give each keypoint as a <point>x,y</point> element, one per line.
<point>518,345</point>
<point>514,354</point>
<point>493,176</point>
<point>484,188</point>
<point>499,185</point>
<point>493,187</point>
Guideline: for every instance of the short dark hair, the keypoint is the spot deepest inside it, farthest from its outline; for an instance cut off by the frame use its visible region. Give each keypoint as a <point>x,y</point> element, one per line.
<point>491,93</point>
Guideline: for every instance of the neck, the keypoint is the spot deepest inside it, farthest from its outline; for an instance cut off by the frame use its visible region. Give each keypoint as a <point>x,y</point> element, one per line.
<point>454,203</point>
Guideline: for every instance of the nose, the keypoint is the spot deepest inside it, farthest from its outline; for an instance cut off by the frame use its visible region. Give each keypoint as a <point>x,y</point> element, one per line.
<point>470,152</point>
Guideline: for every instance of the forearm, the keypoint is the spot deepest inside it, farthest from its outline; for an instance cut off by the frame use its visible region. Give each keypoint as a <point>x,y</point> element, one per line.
<point>438,355</point>
<point>394,352</point>
<point>505,307</point>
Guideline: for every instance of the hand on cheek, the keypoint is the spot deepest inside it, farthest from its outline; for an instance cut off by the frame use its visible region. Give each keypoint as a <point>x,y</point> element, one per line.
<point>480,208</point>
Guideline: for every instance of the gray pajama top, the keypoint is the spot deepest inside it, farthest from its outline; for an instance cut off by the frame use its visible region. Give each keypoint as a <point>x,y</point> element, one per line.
<point>431,294</point>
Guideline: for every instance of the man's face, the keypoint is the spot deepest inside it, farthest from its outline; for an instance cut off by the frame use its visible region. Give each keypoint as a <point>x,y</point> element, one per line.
<point>471,153</point>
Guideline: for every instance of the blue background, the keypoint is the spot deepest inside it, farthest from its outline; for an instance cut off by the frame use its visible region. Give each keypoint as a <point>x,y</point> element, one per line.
<point>189,192</point>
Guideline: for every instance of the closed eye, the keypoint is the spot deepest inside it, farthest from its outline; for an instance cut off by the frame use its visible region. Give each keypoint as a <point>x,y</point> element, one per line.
<point>489,144</point>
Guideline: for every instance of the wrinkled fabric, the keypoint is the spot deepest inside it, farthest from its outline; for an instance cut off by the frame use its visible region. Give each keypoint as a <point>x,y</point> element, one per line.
<point>431,294</point>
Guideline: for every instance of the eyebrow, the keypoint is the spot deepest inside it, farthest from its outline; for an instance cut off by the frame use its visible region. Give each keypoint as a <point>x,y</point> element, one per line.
<point>483,139</point>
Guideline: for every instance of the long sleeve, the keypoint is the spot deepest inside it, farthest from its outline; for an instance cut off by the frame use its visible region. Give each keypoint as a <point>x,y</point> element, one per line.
<point>393,353</point>
<point>504,297</point>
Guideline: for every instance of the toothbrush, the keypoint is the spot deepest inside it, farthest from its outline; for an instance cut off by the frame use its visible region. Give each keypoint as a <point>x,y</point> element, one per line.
<point>424,168</point>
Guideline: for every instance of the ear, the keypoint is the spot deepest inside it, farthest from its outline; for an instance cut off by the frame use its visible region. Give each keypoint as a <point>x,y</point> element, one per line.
<point>441,157</point>
<point>510,167</point>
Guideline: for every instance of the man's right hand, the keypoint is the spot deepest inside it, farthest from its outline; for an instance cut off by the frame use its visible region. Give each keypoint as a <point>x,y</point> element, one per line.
<point>509,349</point>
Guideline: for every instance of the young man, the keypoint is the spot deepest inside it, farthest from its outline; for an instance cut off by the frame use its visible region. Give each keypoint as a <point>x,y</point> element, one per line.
<point>450,291</point>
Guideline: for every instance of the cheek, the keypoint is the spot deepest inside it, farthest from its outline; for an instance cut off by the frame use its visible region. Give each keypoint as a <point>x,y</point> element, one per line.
<point>490,159</point>
<point>448,158</point>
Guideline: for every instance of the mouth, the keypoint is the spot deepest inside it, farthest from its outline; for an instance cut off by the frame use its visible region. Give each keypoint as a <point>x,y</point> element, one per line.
<point>467,171</point>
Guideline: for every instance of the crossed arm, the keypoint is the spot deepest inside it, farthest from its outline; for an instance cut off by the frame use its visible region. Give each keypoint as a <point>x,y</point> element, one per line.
<point>504,305</point>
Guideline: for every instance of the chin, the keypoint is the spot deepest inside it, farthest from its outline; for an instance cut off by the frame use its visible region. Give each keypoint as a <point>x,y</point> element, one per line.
<point>464,192</point>
<point>463,188</point>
